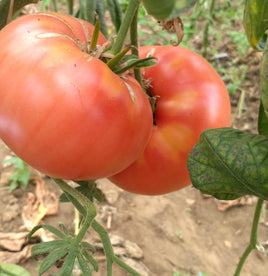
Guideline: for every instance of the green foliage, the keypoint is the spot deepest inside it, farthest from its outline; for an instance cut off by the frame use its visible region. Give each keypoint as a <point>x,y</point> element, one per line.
<point>227,163</point>
<point>5,6</point>
<point>70,248</point>
<point>7,269</point>
<point>256,23</point>
<point>264,79</point>
<point>21,175</point>
<point>240,40</point>
<point>232,76</point>
<point>67,248</point>
<point>167,9</point>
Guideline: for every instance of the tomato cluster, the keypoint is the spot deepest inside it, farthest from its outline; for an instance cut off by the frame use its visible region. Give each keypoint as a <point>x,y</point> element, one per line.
<point>64,111</point>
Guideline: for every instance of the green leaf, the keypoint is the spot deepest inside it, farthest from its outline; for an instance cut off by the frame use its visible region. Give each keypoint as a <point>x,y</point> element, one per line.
<point>51,259</point>
<point>228,163</point>
<point>131,61</point>
<point>262,121</point>
<point>4,9</point>
<point>13,186</point>
<point>180,7</point>
<point>255,22</point>
<point>84,265</point>
<point>264,79</point>
<point>88,189</point>
<point>167,9</point>
<point>7,269</point>
<point>88,246</point>
<point>91,260</point>
<point>50,228</point>
<point>68,264</point>
<point>46,247</point>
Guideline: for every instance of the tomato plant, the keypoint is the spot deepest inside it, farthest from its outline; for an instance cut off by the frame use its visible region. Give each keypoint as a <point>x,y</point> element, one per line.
<point>191,97</point>
<point>62,110</point>
<point>66,113</point>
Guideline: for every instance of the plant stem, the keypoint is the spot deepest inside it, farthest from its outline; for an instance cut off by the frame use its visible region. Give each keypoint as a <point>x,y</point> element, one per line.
<point>127,20</point>
<point>109,252</point>
<point>206,30</point>
<point>253,237</point>
<point>70,7</point>
<point>135,44</point>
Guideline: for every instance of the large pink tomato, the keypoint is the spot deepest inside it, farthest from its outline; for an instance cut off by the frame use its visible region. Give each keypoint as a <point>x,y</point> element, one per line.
<point>62,110</point>
<point>191,97</point>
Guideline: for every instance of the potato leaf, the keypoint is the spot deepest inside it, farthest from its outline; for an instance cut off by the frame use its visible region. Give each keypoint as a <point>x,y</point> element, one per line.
<point>227,163</point>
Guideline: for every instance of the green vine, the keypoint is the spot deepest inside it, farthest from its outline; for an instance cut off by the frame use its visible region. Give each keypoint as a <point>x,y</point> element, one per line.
<point>254,243</point>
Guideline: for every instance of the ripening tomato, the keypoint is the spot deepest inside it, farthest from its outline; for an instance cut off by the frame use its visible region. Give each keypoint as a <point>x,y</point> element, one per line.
<point>62,110</point>
<point>191,97</point>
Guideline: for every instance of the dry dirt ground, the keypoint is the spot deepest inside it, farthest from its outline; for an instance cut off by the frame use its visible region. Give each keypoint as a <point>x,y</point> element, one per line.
<point>182,231</point>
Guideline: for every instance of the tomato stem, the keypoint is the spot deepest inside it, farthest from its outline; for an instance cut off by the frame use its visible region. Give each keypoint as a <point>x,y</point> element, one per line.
<point>135,45</point>
<point>95,36</point>
<point>88,210</point>
<point>123,30</point>
<point>253,238</point>
<point>117,58</point>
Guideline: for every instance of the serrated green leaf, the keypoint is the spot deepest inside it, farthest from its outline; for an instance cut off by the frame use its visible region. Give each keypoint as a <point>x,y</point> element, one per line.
<point>7,269</point>
<point>256,23</point>
<point>228,163</point>
<point>51,259</point>
<point>46,247</point>
<point>68,264</point>
<point>50,228</point>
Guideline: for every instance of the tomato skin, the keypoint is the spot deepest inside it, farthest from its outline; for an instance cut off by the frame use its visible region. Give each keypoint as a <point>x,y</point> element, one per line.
<point>61,110</point>
<point>191,98</point>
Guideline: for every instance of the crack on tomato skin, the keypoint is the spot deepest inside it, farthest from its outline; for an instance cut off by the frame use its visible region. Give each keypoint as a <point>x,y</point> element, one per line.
<point>55,35</point>
<point>131,92</point>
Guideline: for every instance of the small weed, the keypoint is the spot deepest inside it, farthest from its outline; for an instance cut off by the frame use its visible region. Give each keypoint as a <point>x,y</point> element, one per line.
<point>21,174</point>
<point>177,273</point>
<point>179,235</point>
